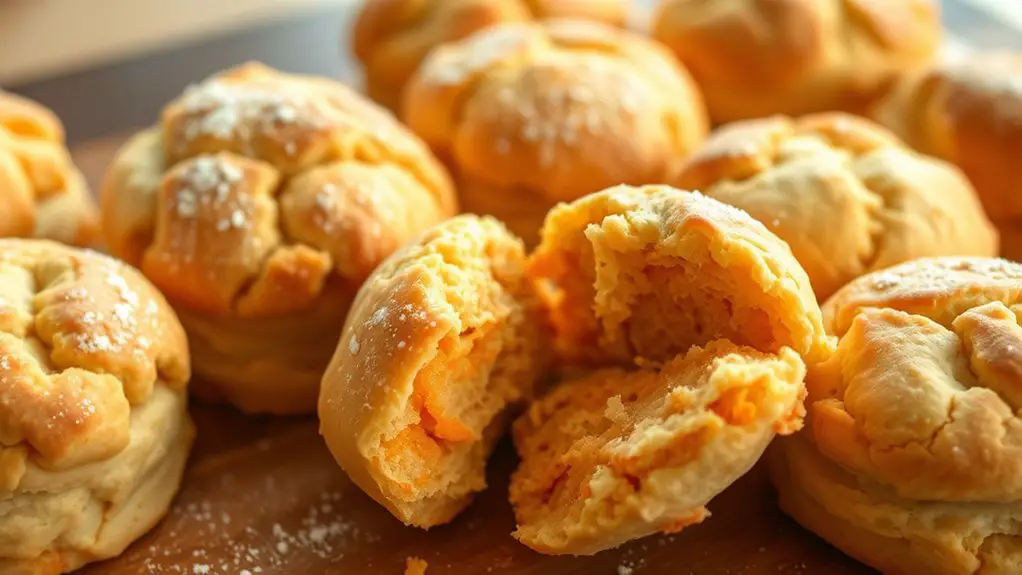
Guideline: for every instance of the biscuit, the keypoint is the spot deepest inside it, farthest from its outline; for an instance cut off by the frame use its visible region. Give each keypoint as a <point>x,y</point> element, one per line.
<point>619,455</point>
<point>441,343</point>
<point>970,114</point>
<point>42,193</point>
<point>844,193</point>
<point>912,461</point>
<point>258,206</point>
<point>718,316</point>
<point>94,427</point>
<point>391,38</point>
<point>754,58</point>
<point>529,115</point>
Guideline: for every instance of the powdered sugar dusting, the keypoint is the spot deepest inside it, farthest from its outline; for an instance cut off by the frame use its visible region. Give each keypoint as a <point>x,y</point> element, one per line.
<point>230,549</point>
<point>479,52</point>
<point>553,115</point>
<point>228,110</point>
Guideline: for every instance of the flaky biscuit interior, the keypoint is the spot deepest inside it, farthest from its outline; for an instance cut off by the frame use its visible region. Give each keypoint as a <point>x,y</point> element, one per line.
<point>649,272</point>
<point>716,314</point>
<point>617,455</point>
<point>441,342</point>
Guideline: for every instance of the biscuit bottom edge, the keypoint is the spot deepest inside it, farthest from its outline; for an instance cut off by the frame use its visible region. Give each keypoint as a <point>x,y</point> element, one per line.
<point>894,535</point>
<point>618,455</point>
<point>139,507</point>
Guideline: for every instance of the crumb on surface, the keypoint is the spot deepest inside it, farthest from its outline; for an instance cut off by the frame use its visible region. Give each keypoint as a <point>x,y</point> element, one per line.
<point>415,566</point>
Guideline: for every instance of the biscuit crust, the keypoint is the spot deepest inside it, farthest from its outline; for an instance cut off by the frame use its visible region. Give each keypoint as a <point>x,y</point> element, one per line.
<point>259,205</point>
<point>754,58</point>
<point>93,407</point>
<point>391,38</point>
<point>844,193</point>
<point>968,113</point>
<point>42,193</point>
<point>912,456</point>
<point>441,343</point>
<point>530,114</point>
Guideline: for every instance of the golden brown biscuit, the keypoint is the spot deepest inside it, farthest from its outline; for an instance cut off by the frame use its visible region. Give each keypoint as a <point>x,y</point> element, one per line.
<point>442,341</point>
<point>755,58</point>
<point>649,276</point>
<point>259,205</point>
<point>393,37</point>
<point>970,114</point>
<point>648,449</point>
<point>913,458</point>
<point>845,194</point>
<point>529,115</point>
<point>94,427</point>
<point>42,193</point>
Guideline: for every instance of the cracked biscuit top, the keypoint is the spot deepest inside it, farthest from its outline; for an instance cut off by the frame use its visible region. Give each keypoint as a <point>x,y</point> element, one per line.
<point>42,194</point>
<point>846,195</point>
<point>83,340</point>
<point>559,108</point>
<point>923,392</point>
<point>260,189</point>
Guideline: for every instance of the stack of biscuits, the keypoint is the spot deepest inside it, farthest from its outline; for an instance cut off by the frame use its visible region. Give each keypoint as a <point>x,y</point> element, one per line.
<point>766,230</point>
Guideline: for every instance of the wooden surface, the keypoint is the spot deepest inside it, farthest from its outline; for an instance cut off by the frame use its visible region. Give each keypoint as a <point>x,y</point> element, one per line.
<point>264,493</point>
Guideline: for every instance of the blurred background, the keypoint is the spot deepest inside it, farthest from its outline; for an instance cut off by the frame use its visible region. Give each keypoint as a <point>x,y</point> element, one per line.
<point>106,66</point>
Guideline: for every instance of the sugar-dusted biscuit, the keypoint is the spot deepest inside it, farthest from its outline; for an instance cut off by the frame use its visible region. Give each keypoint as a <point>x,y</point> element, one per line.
<point>531,114</point>
<point>258,206</point>
<point>94,426</point>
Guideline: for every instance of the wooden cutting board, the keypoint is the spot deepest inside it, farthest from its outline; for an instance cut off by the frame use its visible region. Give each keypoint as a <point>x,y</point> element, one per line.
<point>263,495</point>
